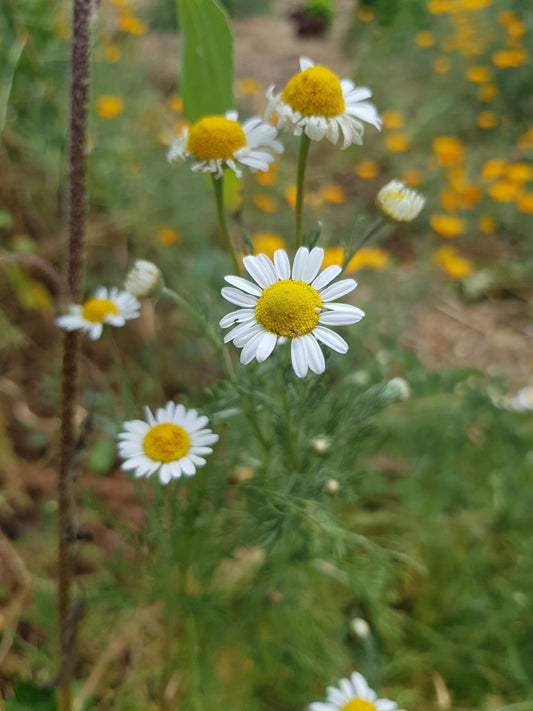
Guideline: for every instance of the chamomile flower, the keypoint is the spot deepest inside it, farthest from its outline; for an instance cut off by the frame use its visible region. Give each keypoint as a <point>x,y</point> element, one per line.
<point>172,442</point>
<point>109,306</point>
<point>144,279</point>
<point>288,302</point>
<point>399,202</point>
<point>218,142</point>
<point>316,102</point>
<point>353,694</point>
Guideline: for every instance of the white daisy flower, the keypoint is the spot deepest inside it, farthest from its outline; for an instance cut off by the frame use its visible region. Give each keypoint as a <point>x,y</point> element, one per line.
<point>143,279</point>
<point>173,442</point>
<point>353,694</point>
<point>219,142</point>
<point>109,306</point>
<point>399,202</point>
<point>316,102</point>
<point>296,303</point>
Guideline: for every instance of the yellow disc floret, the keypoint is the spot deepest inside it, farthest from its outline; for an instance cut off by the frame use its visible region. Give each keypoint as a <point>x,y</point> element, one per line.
<point>215,137</point>
<point>166,442</point>
<point>289,308</point>
<point>96,310</point>
<point>358,705</point>
<point>315,92</point>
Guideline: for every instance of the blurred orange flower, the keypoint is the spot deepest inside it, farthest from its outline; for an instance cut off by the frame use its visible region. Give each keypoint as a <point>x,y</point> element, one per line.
<point>487,92</point>
<point>369,258</point>
<point>249,86</point>
<point>503,191</point>
<point>448,149</point>
<point>267,243</point>
<point>397,142</point>
<point>524,203</point>
<point>168,236</point>
<point>507,58</point>
<point>447,226</point>
<point>265,203</point>
<point>267,177</point>
<point>487,119</point>
<point>290,195</point>
<point>393,119</point>
<point>425,38</point>
<point>367,169</point>
<point>333,194</point>
<point>333,255</point>
<point>487,224</point>
<point>493,169</point>
<point>519,172</point>
<point>412,177</point>
<point>111,52</point>
<point>131,24</point>
<point>175,103</point>
<point>478,74</point>
<point>442,65</point>
<point>455,266</point>
<point>109,106</point>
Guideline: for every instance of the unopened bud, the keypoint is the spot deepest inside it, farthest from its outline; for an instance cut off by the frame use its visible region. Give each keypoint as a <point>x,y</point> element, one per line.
<point>359,627</point>
<point>320,445</point>
<point>143,279</point>
<point>331,487</point>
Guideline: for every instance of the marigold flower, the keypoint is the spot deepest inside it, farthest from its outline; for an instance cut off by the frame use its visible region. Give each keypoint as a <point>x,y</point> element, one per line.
<point>487,119</point>
<point>367,169</point>
<point>297,303</point>
<point>503,191</point>
<point>524,203</point>
<point>442,65</point>
<point>265,203</point>
<point>175,103</point>
<point>333,255</point>
<point>487,92</point>
<point>448,149</point>
<point>132,25</point>
<point>455,266</point>
<point>290,195</point>
<point>393,119</point>
<point>447,226</point>
<point>219,142</point>
<point>109,106</point>
<point>492,169</point>
<point>506,59</point>
<point>397,142</point>
<point>519,172</point>
<point>412,177</point>
<point>333,194</point>
<point>267,243</point>
<point>316,102</point>
<point>478,75</point>
<point>369,258</point>
<point>267,177</point>
<point>172,442</point>
<point>168,236</point>
<point>487,224</point>
<point>425,38</point>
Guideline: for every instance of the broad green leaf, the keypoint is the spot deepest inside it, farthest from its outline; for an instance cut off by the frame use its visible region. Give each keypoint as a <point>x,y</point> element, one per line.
<point>206,81</point>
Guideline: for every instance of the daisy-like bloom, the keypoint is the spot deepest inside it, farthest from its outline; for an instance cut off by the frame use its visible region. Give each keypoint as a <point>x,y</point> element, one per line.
<point>399,202</point>
<point>288,302</point>
<point>143,279</point>
<point>219,142</point>
<point>109,306</point>
<point>173,442</point>
<point>353,694</point>
<point>316,102</point>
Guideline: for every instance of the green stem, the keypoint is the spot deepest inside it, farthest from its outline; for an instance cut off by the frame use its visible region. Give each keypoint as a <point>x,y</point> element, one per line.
<point>218,186</point>
<point>374,227</point>
<point>213,336</point>
<point>305,142</point>
<point>120,372</point>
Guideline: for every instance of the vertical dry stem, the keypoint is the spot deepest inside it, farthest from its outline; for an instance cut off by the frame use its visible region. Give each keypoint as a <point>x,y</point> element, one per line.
<point>77,215</point>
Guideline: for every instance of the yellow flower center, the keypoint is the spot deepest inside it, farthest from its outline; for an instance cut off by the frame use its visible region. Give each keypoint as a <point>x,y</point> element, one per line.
<point>358,705</point>
<point>215,137</point>
<point>96,310</point>
<point>289,308</point>
<point>166,442</point>
<point>315,92</point>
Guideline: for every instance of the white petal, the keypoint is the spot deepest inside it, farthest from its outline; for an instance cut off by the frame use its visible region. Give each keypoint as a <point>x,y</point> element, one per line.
<point>165,473</point>
<point>187,466</point>
<point>265,346</point>
<point>256,270</point>
<point>299,357</point>
<point>242,329</point>
<point>238,316</point>
<point>313,264</point>
<point>315,357</point>
<point>243,285</point>
<point>249,351</point>
<point>305,63</point>
<point>340,288</point>
<point>330,339</point>
<point>282,264</point>
<point>268,267</point>
<point>326,276</point>
<point>299,263</point>
<point>341,318</point>
<point>237,297</point>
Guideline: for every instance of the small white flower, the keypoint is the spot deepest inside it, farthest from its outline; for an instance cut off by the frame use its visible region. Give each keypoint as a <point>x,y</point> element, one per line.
<point>316,102</point>
<point>522,401</point>
<point>219,142</point>
<point>143,280</point>
<point>399,202</point>
<point>296,303</point>
<point>398,389</point>
<point>109,306</point>
<point>353,694</point>
<point>172,442</point>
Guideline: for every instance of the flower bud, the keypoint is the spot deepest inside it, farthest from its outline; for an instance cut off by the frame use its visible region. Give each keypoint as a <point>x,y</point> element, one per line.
<point>144,279</point>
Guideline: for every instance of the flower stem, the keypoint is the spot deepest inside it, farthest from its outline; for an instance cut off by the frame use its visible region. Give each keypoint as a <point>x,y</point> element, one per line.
<point>305,142</point>
<point>218,186</point>
<point>372,229</point>
<point>77,218</point>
